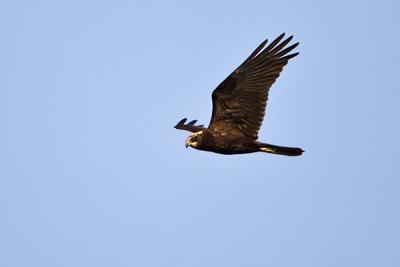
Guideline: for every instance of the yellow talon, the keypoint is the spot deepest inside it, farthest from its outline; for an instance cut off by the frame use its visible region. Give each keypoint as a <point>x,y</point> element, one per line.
<point>267,149</point>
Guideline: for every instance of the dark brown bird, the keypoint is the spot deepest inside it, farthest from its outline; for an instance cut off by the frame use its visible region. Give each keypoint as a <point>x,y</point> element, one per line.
<point>239,104</point>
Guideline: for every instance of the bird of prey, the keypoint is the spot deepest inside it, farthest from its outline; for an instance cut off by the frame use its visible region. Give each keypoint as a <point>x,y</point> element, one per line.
<point>239,104</point>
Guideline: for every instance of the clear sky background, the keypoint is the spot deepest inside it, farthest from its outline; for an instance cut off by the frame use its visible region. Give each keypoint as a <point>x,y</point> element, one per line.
<point>92,172</point>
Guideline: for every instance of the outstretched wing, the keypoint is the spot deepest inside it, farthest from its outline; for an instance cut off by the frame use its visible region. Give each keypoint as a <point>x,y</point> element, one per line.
<point>190,126</point>
<point>239,102</point>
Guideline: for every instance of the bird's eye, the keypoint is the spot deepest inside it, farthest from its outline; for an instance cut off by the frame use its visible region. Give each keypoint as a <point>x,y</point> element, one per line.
<point>193,139</point>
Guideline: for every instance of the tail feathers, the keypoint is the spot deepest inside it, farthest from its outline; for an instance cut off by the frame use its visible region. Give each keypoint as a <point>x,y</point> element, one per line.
<point>281,150</point>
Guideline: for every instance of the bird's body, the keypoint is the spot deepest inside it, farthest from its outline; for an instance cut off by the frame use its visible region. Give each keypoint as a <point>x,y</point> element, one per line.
<point>239,104</point>
<point>222,144</point>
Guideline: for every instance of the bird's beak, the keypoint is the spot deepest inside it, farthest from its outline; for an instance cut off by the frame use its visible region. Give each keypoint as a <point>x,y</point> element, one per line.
<point>187,143</point>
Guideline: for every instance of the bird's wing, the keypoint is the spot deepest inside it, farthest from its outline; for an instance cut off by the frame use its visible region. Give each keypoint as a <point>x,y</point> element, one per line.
<point>239,102</point>
<point>190,126</point>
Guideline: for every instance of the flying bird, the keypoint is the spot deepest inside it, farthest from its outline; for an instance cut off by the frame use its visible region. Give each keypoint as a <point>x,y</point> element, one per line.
<point>239,104</point>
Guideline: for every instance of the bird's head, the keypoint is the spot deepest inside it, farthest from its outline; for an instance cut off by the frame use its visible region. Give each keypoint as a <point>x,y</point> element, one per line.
<point>194,140</point>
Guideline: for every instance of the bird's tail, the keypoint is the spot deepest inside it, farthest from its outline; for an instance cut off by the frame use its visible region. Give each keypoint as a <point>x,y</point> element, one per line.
<point>280,150</point>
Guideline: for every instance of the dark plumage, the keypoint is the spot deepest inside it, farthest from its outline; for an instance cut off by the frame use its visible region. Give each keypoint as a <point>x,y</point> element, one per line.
<point>239,104</point>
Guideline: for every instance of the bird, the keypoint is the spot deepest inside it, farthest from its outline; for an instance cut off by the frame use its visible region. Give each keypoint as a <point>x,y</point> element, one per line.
<point>239,104</point>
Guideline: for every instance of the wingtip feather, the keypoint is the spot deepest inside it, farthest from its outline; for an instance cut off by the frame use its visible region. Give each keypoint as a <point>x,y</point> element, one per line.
<point>193,122</point>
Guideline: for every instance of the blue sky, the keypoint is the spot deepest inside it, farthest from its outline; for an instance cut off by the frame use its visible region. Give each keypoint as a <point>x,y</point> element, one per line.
<point>92,172</point>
